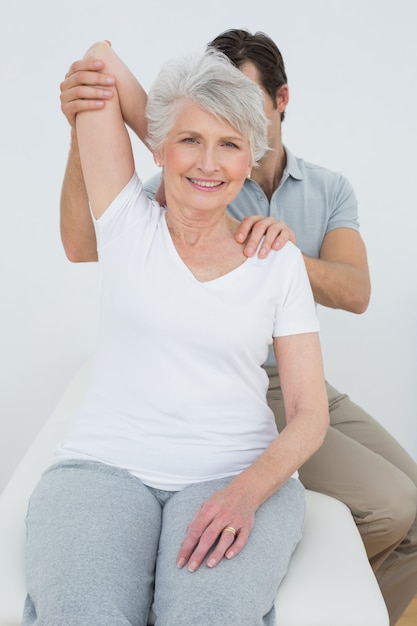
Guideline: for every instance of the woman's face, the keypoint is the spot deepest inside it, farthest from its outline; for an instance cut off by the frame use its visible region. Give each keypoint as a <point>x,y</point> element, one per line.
<point>205,160</point>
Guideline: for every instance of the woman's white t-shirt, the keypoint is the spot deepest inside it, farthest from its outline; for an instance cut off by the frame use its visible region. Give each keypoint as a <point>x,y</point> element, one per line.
<point>177,392</point>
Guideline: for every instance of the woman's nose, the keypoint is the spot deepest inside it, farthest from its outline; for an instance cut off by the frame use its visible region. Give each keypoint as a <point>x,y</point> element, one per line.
<point>208,162</point>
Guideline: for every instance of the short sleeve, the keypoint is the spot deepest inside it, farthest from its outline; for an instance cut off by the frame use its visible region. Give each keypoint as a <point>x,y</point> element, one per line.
<point>129,210</point>
<point>344,206</point>
<point>296,313</point>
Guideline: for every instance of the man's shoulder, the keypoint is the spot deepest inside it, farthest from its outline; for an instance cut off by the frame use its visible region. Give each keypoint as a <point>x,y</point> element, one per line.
<point>151,185</point>
<point>300,168</point>
<point>314,181</point>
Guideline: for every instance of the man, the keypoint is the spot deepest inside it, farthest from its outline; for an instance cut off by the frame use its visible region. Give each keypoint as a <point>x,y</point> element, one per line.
<point>359,462</point>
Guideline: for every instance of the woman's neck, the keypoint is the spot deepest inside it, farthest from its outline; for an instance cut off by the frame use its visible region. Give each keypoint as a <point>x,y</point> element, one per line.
<point>207,247</point>
<point>195,229</point>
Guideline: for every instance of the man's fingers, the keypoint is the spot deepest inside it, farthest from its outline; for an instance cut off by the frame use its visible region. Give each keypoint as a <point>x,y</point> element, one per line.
<point>246,225</point>
<point>264,227</point>
<point>93,65</point>
<point>84,78</point>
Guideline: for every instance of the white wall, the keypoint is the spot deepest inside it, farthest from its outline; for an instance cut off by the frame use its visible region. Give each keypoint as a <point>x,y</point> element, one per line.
<point>351,67</point>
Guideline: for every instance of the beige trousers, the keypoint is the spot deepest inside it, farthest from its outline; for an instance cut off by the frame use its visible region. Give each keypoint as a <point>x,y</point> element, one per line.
<point>362,465</point>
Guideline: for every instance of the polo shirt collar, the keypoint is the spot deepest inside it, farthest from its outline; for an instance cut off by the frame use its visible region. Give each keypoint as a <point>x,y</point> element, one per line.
<point>291,169</point>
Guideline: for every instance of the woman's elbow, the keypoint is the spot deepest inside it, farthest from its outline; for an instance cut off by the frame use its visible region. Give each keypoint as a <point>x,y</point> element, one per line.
<point>322,420</point>
<point>325,423</point>
<point>79,254</point>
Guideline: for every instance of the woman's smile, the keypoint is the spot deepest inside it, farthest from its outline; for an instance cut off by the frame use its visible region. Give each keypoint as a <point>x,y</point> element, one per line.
<point>206,184</point>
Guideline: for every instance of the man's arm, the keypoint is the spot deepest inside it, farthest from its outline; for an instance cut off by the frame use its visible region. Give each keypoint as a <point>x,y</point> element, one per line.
<point>340,277</point>
<point>77,230</point>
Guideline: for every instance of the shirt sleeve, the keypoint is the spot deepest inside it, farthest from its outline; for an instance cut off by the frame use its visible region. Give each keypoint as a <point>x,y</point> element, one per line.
<point>344,206</point>
<point>296,313</point>
<point>130,209</point>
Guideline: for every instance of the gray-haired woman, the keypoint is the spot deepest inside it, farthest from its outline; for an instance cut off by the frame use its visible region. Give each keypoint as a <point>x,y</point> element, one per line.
<point>185,501</point>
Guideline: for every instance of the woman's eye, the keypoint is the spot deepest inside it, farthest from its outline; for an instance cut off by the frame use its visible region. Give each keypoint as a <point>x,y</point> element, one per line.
<point>230,144</point>
<point>189,140</point>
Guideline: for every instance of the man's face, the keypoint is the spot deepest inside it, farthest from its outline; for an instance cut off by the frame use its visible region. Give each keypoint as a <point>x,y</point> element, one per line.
<point>273,109</point>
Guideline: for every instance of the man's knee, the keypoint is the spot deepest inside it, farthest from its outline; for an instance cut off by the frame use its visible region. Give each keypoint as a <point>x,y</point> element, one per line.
<point>401,510</point>
<point>390,522</point>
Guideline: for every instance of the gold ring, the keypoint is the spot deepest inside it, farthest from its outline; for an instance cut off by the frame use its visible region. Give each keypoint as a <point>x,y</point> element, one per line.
<point>230,529</point>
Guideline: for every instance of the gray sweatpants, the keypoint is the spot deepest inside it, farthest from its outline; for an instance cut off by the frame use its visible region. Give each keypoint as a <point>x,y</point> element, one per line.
<point>101,547</point>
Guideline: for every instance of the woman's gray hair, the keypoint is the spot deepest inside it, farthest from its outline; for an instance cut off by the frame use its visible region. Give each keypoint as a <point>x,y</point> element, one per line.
<point>213,83</point>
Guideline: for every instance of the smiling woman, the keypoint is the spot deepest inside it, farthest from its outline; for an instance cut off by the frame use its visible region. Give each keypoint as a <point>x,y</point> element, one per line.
<point>203,171</point>
<point>173,459</point>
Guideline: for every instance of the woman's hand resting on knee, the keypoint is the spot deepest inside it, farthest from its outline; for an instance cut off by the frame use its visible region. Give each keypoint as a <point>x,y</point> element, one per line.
<point>225,520</point>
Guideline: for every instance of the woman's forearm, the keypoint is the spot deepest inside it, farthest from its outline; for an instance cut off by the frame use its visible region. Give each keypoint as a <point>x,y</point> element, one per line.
<point>284,456</point>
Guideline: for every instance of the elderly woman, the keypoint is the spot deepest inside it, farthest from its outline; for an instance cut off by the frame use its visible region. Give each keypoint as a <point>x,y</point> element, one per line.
<point>186,502</point>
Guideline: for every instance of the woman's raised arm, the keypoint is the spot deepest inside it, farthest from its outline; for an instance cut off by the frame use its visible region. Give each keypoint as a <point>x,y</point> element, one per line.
<point>104,143</point>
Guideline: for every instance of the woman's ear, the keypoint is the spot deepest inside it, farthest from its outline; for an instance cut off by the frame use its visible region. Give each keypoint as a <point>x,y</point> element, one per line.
<point>158,160</point>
